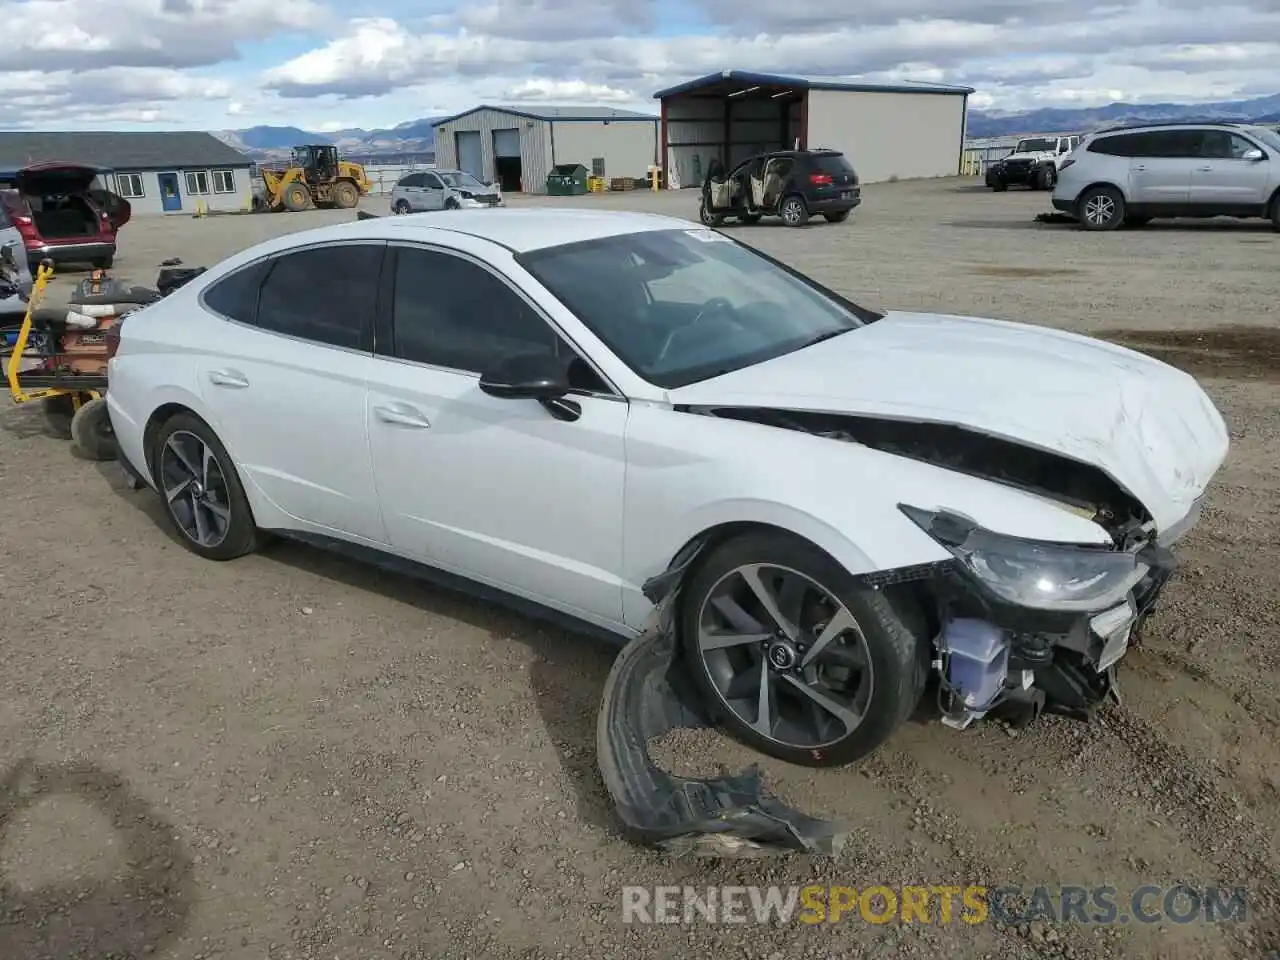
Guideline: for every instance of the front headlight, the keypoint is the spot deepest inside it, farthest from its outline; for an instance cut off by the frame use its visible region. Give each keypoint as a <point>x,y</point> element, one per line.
<point>1034,573</point>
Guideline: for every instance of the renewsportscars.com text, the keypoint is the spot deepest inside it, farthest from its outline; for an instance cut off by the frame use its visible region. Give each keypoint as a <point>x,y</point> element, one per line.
<point>940,904</point>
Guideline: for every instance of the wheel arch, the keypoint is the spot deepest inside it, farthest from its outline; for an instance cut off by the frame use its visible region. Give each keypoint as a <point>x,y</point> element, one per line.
<point>1104,184</point>
<point>159,417</point>
<point>685,561</point>
<point>1269,209</point>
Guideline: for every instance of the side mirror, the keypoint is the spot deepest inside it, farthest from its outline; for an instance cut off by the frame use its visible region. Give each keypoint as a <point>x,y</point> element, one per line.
<point>527,376</point>
<point>1253,154</point>
<point>533,376</point>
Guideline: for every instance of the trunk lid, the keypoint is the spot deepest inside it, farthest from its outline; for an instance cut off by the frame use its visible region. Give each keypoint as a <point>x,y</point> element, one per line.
<point>56,177</point>
<point>1146,424</point>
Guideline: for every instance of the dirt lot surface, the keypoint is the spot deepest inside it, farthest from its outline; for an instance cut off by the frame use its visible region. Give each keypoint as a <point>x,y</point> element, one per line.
<point>291,756</point>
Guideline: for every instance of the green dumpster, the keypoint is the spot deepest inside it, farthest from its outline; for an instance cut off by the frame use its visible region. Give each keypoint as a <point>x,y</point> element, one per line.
<point>567,180</point>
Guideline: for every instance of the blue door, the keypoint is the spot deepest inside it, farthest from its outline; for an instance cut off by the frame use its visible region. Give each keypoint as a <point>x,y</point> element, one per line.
<point>170,198</point>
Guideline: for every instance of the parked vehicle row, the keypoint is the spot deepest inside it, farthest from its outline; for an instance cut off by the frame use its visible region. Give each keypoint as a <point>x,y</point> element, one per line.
<point>598,413</point>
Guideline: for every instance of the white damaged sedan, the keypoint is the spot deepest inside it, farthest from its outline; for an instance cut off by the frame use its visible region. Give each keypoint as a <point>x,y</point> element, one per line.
<point>595,412</point>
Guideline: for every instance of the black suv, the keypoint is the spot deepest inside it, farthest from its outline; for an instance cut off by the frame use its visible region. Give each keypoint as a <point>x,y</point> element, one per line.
<point>791,184</point>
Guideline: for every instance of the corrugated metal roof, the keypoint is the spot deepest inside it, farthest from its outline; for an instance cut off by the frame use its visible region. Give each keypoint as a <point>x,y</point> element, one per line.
<point>749,78</point>
<point>556,113</point>
<point>120,151</point>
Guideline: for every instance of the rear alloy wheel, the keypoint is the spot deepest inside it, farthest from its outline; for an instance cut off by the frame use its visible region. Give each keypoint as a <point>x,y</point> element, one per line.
<point>402,207</point>
<point>794,657</point>
<point>1101,208</point>
<point>201,490</point>
<point>708,218</point>
<point>92,436</point>
<point>793,212</point>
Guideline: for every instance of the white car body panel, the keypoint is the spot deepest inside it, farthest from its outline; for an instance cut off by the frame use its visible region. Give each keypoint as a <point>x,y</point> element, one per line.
<point>1145,423</point>
<point>577,515</point>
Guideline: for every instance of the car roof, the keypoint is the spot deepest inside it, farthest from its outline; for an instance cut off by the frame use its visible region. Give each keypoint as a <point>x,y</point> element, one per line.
<point>519,230</point>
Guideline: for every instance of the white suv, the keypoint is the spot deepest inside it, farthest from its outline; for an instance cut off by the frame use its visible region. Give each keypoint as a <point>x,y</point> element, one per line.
<point>1135,174</point>
<point>1034,163</point>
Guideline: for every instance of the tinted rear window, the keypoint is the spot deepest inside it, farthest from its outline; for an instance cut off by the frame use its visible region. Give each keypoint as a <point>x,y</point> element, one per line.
<point>832,163</point>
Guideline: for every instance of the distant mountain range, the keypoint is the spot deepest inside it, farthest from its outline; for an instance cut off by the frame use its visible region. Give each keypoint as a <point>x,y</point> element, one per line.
<point>416,138</point>
<point>412,139</point>
<point>1056,120</point>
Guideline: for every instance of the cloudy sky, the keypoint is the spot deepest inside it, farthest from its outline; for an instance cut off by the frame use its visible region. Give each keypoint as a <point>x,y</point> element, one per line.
<point>213,64</point>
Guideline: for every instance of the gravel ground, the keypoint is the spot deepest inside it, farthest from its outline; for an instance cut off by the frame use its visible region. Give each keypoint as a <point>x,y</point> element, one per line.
<point>292,756</point>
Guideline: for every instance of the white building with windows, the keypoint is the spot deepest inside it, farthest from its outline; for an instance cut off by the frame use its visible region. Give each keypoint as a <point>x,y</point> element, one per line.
<point>172,172</point>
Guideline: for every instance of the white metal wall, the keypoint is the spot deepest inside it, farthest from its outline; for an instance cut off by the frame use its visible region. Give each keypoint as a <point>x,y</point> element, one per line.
<point>890,135</point>
<point>149,202</point>
<point>535,144</point>
<point>628,147</point>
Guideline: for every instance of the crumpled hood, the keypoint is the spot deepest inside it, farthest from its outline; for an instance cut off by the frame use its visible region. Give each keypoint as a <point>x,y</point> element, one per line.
<point>1146,424</point>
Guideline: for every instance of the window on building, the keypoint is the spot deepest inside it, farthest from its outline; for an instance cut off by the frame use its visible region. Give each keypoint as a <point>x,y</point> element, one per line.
<point>597,166</point>
<point>323,294</point>
<point>129,185</point>
<point>224,181</point>
<point>197,182</point>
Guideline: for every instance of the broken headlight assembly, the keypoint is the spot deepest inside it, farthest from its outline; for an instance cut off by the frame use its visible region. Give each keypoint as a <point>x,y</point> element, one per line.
<point>1034,573</point>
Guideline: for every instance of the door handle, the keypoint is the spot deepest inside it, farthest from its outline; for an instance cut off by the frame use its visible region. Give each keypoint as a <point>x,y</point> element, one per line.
<point>1204,169</point>
<point>1139,167</point>
<point>403,415</point>
<point>228,378</point>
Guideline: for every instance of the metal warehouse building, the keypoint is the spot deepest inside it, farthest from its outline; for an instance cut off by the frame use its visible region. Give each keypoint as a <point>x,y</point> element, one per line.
<point>517,148</point>
<point>155,172</point>
<point>887,130</point>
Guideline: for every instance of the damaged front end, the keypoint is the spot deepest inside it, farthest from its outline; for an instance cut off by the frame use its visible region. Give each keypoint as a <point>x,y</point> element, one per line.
<point>1019,627</point>
<point>648,694</point>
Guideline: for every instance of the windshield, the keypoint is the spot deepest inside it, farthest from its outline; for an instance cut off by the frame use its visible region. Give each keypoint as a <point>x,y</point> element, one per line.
<point>1269,137</point>
<point>1037,145</point>
<point>463,180</point>
<point>678,306</point>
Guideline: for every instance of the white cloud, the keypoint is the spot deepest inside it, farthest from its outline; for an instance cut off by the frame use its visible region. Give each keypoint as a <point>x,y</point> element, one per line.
<point>153,61</point>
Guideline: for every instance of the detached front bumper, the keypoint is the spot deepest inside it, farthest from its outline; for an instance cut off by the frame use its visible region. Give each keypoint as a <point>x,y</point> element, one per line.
<point>72,252</point>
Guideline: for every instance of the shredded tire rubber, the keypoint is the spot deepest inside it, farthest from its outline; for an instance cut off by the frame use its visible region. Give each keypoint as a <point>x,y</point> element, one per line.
<point>648,694</point>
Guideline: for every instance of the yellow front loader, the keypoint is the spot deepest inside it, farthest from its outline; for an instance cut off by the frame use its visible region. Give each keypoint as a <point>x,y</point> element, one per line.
<point>315,178</point>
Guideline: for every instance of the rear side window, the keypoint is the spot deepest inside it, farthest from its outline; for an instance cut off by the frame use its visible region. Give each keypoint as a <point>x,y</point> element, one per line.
<point>832,163</point>
<point>325,294</point>
<point>236,295</point>
<point>412,180</point>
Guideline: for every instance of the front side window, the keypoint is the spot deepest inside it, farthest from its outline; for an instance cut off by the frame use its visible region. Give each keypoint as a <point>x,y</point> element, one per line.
<point>678,306</point>
<point>463,181</point>
<point>1223,145</point>
<point>451,312</point>
<point>412,180</point>
<point>325,294</point>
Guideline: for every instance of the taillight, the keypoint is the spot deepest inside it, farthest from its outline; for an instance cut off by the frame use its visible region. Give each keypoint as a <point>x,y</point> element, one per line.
<point>26,227</point>
<point>820,179</point>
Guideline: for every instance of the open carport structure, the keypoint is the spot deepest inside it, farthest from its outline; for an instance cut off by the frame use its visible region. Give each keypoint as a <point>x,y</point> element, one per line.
<point>888,130</point>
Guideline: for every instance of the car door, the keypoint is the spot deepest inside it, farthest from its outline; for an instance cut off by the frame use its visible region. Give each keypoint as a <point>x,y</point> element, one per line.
<point>1160,167</point>
<point>498,490</point>
<point>432,192</point>
<point>287,386</point>
<point>1223,179</point>
<point>15,267</point>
